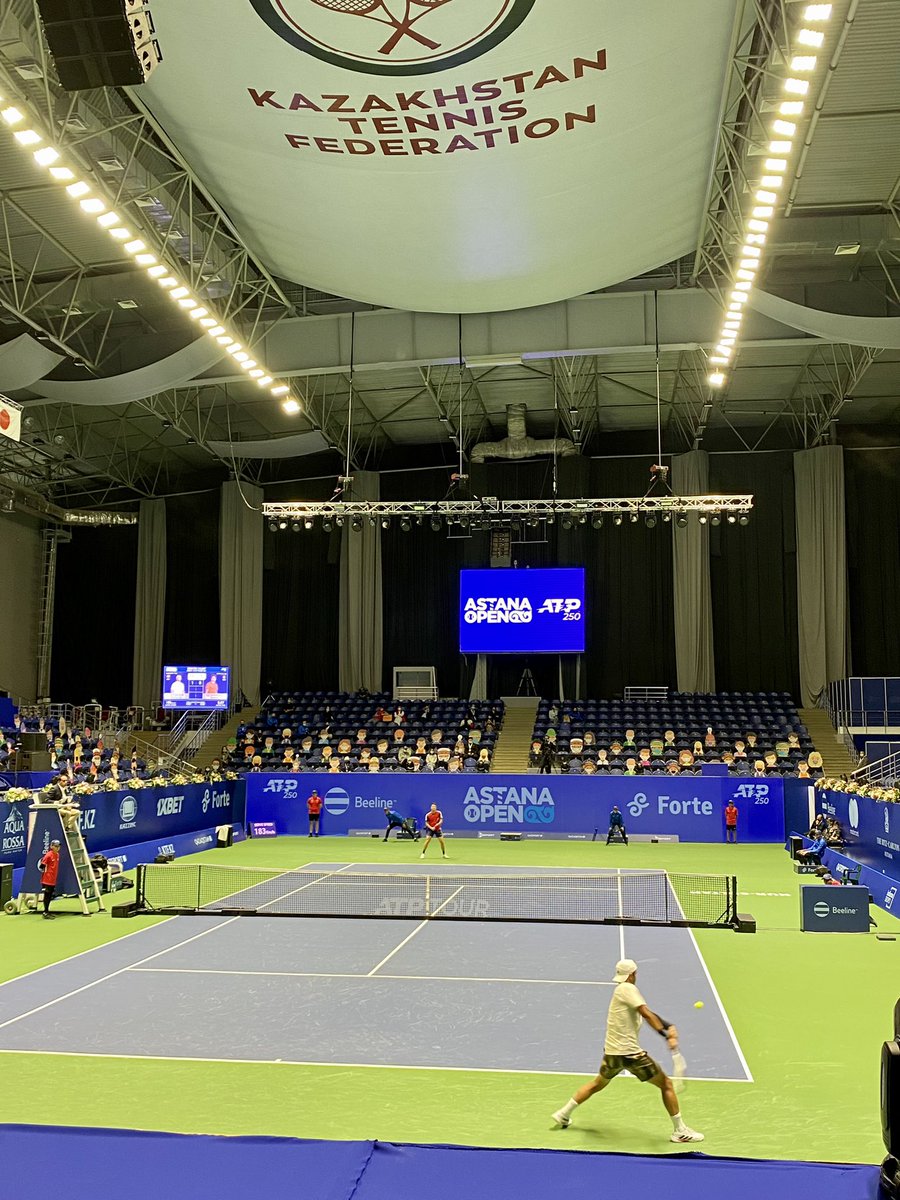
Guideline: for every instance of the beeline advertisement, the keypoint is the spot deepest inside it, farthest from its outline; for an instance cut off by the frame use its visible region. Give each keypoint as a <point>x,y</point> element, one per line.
<point>537,807</point>
<point>511,611</point>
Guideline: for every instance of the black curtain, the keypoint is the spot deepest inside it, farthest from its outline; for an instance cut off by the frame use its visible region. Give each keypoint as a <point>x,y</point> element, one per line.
<point>420,585</point>
<point>873,559</point>
<point>191,630</point>
<point>630,594</point>
<point>301,596</point>
<point>754,576</point>
<point>93,620</point>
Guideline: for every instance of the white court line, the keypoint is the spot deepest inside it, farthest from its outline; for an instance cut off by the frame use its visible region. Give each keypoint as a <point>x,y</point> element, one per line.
<point>350,975</point>
<point>312,882</point>
<point>716,996</point>
<point>104,945</point>
<point>418,929</point>
<point>277,1062</point>
<point>113,974</point>
<point>718,1000</point>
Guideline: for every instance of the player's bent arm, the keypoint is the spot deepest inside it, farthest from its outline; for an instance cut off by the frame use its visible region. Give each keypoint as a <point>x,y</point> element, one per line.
<point>669,1032</point>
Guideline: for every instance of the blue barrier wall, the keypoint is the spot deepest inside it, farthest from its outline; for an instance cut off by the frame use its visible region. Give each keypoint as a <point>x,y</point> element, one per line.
<point>110,820</point>
<point>871,829</point>
<point>536,806</point>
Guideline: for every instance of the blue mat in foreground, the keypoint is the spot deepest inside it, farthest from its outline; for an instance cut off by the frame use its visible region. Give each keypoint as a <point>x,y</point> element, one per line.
<point>145,1166</point>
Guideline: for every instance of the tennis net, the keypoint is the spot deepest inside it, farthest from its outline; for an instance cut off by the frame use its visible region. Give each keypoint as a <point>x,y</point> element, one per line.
<point>612,897</point>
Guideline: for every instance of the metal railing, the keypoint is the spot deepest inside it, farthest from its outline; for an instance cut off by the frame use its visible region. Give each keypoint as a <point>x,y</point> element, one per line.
<point>884,772</point>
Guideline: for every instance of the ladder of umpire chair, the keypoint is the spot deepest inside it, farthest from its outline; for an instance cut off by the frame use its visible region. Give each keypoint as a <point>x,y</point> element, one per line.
<point>88,884</point>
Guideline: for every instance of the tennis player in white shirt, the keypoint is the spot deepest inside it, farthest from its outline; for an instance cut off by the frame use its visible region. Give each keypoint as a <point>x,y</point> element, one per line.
<point>623,1052</point>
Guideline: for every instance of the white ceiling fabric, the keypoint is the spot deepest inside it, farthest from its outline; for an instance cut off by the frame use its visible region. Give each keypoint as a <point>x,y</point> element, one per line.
<point>294,446</point>
<point>479,228</point>
<point>23,360</point>
<point>883,333</point>
<point>178,368</point>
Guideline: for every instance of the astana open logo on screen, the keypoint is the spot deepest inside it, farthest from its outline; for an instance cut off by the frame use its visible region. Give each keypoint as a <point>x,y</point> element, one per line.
<point>394,37</point>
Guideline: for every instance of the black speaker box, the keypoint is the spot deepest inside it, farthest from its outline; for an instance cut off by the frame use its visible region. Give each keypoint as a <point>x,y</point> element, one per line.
<point>746,923</point>
<point>91,43</point>
<point>33,741</point>
<point>36,761</point>
<point>890,1097</point>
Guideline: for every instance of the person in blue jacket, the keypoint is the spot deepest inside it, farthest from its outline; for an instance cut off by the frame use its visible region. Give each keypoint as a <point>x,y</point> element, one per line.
<point>616,823</point>
<point>400,823</point>
<point>813,853</point>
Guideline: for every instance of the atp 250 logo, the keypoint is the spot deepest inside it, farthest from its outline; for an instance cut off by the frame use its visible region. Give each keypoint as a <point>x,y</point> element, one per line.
<point>394,37</point>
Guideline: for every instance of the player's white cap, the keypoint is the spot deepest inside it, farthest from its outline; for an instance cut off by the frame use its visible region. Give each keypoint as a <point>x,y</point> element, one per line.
<point>624,968</point>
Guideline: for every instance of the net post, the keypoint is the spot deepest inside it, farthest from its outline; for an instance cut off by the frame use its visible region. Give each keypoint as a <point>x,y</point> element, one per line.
<point>141,890</point>
<point>734,900</point>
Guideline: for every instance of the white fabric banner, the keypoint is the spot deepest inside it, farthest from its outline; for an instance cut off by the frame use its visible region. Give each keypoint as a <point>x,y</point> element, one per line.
<point>821,569</point>
<point>449,155</point>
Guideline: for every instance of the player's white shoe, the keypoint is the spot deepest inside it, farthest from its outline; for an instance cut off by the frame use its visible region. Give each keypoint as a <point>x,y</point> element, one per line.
<point>686,1135</point>
<point>422,855</point>
<point>562,1121</point>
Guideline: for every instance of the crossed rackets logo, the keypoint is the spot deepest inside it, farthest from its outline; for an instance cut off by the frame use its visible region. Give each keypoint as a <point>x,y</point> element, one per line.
<point>378,10</point>
<point>394,37</point>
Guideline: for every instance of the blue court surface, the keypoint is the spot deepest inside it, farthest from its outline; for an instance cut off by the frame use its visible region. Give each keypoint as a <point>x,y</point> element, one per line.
<point>405,994</point>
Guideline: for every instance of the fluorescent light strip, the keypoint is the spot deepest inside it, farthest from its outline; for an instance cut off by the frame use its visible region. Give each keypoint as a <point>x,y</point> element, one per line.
<point>78,189</point>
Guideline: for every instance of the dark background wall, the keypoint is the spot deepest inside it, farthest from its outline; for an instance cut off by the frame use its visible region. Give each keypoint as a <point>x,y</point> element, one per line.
<point>630,628</point>
<point>93,619</point>
<point>191,630</point>
<point>872,487</point>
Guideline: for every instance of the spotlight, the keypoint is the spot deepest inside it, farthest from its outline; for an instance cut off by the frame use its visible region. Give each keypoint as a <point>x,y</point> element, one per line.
<point>356,525</point>
<point>667,518</point>
<point>566,522</point>
<point>339,522</point>
<point>681,520</point>
<point>534,522</point>
<point>582,520</point>
<point>273,526</point>
<point>373,521</point>
<point>406,525</point>
<point>385,522</point>
<point>617,519</point>
<point>308,523</point>
<point>702,518</point>
<point>715,519</point>
<point>597,521</point>
<point>744,519</point>
<point>731,519</point>
<point>326,525</point>
<point>282,524</point>
<point>464,523</point>
<point>295,527</point>
<point>435,524</point>
<point>650,520</point>
<point>633,518</point>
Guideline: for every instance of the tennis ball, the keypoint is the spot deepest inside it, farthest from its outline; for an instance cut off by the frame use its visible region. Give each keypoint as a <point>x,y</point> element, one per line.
<point>698,1004</point>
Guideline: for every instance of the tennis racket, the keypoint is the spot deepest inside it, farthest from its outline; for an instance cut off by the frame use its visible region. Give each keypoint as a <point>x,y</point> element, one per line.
<point>370,8</point>
<point>679,1070</point>
<point>408,21</point>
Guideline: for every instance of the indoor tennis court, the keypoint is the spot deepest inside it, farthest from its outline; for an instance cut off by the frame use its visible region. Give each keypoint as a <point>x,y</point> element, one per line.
<point>457,995</point>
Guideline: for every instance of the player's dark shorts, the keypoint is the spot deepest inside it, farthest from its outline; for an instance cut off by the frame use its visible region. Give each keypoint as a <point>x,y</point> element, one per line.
<point>641,1066</point>
<point>438,832</point>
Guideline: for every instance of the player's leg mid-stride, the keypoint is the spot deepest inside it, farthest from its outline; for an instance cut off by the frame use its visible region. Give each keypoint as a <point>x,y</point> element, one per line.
<point>623,1051</point>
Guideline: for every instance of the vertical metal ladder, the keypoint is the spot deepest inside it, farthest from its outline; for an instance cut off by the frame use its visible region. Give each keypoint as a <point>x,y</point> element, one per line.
<point>88,885</point>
